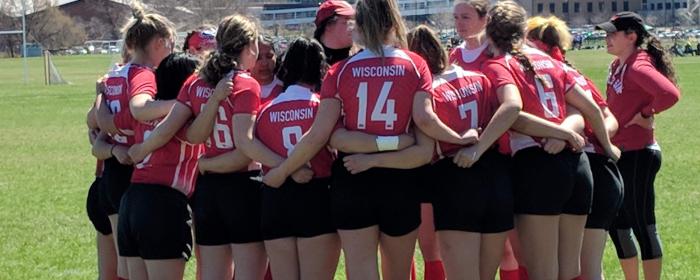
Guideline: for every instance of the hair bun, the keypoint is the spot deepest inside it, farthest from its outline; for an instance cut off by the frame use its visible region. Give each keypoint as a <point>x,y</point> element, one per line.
<point>137,11</point>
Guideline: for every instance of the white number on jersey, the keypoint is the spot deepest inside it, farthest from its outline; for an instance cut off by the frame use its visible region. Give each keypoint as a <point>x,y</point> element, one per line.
<point>547,98</point>
<point>379,113</point>
<point>471,108</point>
<point>287,134</point>
<point>116,107</point>
<point>222,133</point>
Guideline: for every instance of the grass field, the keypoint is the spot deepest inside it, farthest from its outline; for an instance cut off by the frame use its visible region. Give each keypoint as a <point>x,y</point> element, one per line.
<point>46,168</point>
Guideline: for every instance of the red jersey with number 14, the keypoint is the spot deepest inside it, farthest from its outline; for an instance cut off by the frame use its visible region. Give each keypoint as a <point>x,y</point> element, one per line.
<point>283,121</point>
<point>377,92</point>
<point>173,165</point>
<point>120,85</point>
<point>543,99</point>
<point>462,100</point>
<point>245,98</point>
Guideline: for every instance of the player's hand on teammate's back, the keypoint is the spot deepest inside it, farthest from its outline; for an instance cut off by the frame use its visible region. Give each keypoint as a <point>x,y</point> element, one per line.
<point>121,153</point>
<point>303,175</point>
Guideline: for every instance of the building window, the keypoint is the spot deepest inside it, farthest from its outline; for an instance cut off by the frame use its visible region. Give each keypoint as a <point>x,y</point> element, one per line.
<point>540,8</point>
<point>589,7</point>
<point>668,6</point>
<point>685,5</point>
<point>659,6</point>
<point>565,7</point>
<point>614,6</point>
<point>551,7</point>
<point>677,5</point>
<point>601,6</point>
<point>626,5</point>
<point>652,6</point>
<point>577,7</point>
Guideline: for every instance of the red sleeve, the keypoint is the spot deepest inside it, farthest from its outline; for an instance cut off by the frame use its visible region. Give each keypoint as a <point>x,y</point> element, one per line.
<point>245,96</point>
<point>664,93</point>
<point>597,97</point>
<point>570,76</point>
<point>425,82</point>
<point>142,80</point>
<point>329,86</point>
<point>454,55</point>
<point>184,95</point>
<point>498,74</point>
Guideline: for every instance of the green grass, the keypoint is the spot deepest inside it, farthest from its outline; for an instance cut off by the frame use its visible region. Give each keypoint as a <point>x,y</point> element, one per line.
<point>46,168</point>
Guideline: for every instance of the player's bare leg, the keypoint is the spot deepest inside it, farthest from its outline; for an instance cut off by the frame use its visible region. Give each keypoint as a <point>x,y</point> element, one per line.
<point>318,256</point>
<point>491,253</point>
<point>215,262</point>
<point>284,260</point>
<point>250,260</point>
<point>570,240</point>
<point>360,250</point>
<point>397,255</point>
<point>165,269</point>
<point>592,253</point>
<point>137,268</point>
<point>122,264</point>
<point>106,256</point>
<point>461,252</point>
<point>539,237</point>
<point>652,269</point>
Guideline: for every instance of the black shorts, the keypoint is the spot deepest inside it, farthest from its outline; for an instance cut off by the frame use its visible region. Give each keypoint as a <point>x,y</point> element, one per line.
<point>154,223</point>
<point>116,178</point>
<point>426,186</point>
<point>607,192</point>
<point>476,199</point>
<point>297,210</point>
<point>226,208</point>
<point>546,184</point>
<point>95,211</point>
<point>384,197</point>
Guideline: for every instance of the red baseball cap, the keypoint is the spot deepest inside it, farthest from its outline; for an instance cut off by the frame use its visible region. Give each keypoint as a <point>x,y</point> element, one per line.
<point>333,7</point>
<point>203,39</point>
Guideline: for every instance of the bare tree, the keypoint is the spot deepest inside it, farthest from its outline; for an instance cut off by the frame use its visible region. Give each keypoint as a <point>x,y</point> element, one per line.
<point>8,21</point>
<point>442,21</point>
<point>192,13</point>
<point>52,28</point>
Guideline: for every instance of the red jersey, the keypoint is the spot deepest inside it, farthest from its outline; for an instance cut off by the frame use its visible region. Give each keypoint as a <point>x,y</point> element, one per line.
<point>589,88</point>
<point>270,91</point>
<point>471,60</point>
<point>462,100</point>
<point>121,84</point>
<point>245,98</point>
<point>636,86</point>
<point>543,99</point>
<point>282,123</point>
<point>377,92</point>
<point>173,165</point>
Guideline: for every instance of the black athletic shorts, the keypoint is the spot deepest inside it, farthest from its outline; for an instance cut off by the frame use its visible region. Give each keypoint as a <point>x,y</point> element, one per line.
<point>607,191</point>
<point>384,197</point>
<point>297,210</point>
<point>226,208</point>
<point>154,223</point>
<point>546,184</point>
<point>426,183</point>
<point>95,211</point>
<point>476,199</point>
<point>116,178</point>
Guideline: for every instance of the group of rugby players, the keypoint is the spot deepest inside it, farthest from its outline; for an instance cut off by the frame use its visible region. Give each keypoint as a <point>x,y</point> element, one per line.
<point>371,136</point>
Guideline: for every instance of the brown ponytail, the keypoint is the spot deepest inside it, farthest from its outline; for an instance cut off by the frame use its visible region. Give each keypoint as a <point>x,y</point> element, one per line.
<point>234,34</point>
<point>378,21</point>
<point>506,29</point>
<point>659,55</point>
<point>423,41</point>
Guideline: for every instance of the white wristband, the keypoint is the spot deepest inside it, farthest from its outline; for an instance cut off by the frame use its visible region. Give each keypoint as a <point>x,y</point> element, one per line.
<point>387,143</point>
